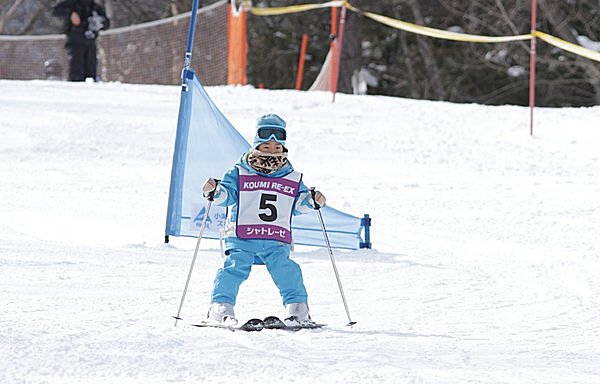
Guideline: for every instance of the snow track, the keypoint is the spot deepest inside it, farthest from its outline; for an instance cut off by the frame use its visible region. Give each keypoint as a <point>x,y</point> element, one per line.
<point>486,268</point>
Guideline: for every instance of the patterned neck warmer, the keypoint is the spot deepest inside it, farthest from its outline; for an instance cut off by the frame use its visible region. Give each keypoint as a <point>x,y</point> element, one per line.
<point>265,162</point>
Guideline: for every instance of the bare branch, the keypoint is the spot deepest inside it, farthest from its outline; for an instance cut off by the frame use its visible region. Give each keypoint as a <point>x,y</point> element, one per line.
<point>8,14</point>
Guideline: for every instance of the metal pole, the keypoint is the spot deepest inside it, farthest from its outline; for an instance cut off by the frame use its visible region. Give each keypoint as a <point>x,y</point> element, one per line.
<point>190,43</point>
<point>532,54</point>
<point>335,270</point>
<point>187,282</point>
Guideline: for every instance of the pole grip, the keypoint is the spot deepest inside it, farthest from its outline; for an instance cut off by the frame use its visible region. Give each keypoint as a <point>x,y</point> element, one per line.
<point>211,194</point>
<point>313,193</point>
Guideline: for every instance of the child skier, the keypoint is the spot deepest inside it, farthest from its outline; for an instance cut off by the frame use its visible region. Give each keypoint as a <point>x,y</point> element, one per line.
<point>262,192</point>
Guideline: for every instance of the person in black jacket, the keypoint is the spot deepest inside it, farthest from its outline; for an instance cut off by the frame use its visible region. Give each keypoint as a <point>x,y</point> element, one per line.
<point>83,20</point>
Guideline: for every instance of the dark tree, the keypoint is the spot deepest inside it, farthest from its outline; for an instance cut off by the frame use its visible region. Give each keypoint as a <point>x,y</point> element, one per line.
<point>392,61</point>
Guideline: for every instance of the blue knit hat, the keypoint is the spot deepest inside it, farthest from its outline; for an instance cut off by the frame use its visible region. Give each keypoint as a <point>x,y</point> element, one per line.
<point>270,124</point>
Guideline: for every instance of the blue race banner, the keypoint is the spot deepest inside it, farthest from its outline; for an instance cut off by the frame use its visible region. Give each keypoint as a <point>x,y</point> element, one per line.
<point>207,145</point>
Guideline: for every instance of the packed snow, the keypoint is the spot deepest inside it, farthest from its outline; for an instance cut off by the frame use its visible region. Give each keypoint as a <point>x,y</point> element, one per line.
<point>484,269</point>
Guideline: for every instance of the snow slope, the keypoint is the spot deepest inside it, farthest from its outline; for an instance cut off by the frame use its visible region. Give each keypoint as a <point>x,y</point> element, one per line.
<point>485,268</point>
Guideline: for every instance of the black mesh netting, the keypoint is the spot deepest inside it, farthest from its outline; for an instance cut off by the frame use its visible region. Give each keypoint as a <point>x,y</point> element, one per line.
<point>150,53</point>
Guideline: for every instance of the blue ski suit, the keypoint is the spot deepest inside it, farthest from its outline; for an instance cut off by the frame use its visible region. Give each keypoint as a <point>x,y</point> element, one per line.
<point>241,254</point>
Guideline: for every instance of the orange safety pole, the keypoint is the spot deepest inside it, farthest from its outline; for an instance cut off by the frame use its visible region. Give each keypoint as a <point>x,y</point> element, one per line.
<point>237,46</point>
<point>332,44</point>
<point>339,53</point>
<point>532,55</point>
<point>301,61</point>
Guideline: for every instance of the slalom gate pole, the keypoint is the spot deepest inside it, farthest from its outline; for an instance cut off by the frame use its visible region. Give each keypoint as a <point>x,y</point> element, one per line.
<point>335,270</point>
<point>187,282</point>
<point>190,43</point>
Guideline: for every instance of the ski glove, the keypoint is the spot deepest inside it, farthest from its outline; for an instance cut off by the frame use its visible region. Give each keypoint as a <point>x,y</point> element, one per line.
<point>209,187</point>
<point>95,22</point>
<point>318,197</point>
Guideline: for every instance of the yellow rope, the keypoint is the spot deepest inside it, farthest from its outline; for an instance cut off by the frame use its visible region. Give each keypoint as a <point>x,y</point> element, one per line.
<point>567,46</point>
<point>426,31</point>
<point>292,8</point>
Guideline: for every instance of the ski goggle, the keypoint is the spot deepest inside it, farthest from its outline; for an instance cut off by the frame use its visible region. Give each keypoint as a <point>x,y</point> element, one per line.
<point>267,133</point>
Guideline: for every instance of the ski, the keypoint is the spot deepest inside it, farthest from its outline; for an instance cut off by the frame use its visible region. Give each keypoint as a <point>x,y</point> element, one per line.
<point>257,325</point>
<point>252,325</point>
<point>273,322</point>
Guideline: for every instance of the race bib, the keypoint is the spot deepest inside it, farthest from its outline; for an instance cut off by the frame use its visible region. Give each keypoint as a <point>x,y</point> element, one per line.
<point>265,206</point>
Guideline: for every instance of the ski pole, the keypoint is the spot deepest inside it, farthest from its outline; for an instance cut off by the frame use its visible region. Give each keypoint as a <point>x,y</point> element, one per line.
<point>187,282</point>
<point>335,270</point>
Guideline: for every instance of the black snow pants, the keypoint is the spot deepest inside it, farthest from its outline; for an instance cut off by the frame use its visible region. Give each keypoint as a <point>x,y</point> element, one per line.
<point>82,60</point>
